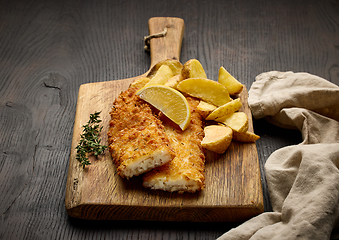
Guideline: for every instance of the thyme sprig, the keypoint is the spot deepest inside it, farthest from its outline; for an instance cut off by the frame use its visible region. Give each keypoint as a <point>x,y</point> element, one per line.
<point>90,142</point>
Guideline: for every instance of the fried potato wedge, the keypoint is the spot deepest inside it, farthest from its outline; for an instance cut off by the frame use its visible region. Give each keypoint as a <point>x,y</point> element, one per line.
<point>173,81</point>
<point>238,121</point>
<point>160,78</point>
<point>193,69</point>
<point>174,65</point>
<point>217,138</point>
<point>225,110</point>
<point>207,90</point>
<point>232,85</point>
<point>140,82</point>
<point>245,136</point>
<point>205,108</point>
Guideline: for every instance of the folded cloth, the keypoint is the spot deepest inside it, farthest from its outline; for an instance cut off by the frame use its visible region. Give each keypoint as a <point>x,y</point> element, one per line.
<point>303,180</point>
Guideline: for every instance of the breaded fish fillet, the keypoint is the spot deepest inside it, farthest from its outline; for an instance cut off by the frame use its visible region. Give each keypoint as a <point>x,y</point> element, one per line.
<point>136,138</point>
<point>185,173</point>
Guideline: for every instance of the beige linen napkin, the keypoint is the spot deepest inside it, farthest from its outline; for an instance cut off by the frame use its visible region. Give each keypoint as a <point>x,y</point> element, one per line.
<point>303,180</point>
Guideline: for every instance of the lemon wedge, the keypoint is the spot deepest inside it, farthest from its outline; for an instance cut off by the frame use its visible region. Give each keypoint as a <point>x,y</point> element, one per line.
<point>169,101</point>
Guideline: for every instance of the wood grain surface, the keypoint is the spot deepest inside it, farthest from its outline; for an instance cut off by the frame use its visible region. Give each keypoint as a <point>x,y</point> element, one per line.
<point>48,49</point>
<point>233,182</point>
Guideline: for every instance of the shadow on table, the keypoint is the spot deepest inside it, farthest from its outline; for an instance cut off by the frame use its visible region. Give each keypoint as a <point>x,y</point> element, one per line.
<point>271,139</point>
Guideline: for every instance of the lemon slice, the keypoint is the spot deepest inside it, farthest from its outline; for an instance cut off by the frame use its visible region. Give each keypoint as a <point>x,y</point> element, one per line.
<point>169,101</point>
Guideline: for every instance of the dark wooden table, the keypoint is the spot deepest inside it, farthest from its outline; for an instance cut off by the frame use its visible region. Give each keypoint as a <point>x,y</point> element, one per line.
<point>49,48</point>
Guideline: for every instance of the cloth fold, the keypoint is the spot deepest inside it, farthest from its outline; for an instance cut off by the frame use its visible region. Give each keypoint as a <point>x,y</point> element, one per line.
<point>303,179</point>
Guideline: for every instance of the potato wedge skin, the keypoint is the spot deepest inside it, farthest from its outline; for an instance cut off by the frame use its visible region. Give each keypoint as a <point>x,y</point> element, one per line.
<point>225,110</point>
<point>238,121</point>
<point>217,138</point>
<point>173,81</point>
<point>205,108</point>
<point>245,137</point>
<point>232,85</point>
<point>193,69</point>
<point>174,65</point>
<point>140,82</point>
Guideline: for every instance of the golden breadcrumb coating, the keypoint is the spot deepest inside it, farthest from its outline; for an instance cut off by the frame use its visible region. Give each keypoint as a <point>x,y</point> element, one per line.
<point>136,137</point>
<point>185,173</point>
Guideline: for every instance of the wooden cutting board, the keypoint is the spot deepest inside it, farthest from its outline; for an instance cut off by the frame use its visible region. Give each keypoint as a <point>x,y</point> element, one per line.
<point>233,183</point>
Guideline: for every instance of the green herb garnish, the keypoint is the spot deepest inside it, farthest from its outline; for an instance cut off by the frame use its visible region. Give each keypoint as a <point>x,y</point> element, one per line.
<point>89,140</point>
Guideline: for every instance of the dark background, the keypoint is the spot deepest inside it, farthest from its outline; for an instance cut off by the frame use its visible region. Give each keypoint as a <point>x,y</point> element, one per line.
<point>49,48</point>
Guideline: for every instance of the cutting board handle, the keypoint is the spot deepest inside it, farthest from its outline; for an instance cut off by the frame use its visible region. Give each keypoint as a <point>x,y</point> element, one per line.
<point>168,46</point>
